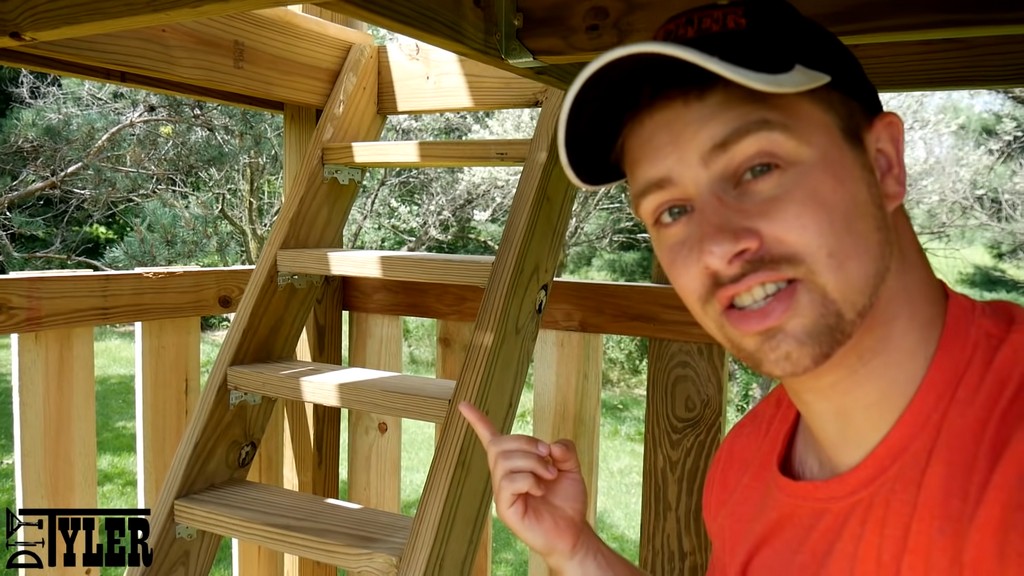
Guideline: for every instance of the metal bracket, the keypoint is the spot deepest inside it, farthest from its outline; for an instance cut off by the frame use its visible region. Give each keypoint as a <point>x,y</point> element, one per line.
<point>508,21</point>
<point>184,532</point>
<point>299,280</point>
<point>236,397</point>
<point>344,174</point>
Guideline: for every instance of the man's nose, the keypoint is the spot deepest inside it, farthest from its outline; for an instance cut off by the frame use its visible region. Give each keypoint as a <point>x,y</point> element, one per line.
<point>727,242</point>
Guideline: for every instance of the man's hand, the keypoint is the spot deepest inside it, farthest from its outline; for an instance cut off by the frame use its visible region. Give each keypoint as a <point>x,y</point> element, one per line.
<point>538,490</point>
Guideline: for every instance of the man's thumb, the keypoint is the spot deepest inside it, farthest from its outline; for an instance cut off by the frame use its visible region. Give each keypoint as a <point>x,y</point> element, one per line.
<point>563,455</point>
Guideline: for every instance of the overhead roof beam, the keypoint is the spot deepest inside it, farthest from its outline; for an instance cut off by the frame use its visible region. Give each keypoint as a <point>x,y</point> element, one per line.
<point>564,34</point>
<point>27,21</point>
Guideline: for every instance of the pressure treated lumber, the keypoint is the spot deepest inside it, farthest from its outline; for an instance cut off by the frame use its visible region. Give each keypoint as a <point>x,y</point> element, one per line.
<point>391,393</point>
<point>942,64</point>
<point>453,339</point>
<point>276,54</point>
<point>428,154</point>
<point>642,310</point>
<point>686,391</point>
<point>408,266</point>
<point>26,21</point>
<point>33,302</point>
<point>414,78</point>
<point>419,78</point>
<point>327,530</point>
<point>558,31</point>
<point>166,392</point>
<point>457,492</point>
<point>567,404</point>
<point>220,441</point>
<point>54,424</point>
<point>565,34</point>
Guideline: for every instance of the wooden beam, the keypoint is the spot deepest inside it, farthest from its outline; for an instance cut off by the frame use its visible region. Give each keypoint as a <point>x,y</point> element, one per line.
<point>27,21</point>
<point>219,443</point>
<point>947,64</point>
<point>418,78</point>
<point>457,491</point>
<point>686,387</point>
<point>414,78</point>
<point>567,404</point>
<point>276,54</point>
<point>16,59</point>
<point>392,265</point>
<point>54,393</point>
<point>565,34</point>
<point>643,310</point>
<point>33,302</point>
<point>428,154</point>
<point>166,391</point>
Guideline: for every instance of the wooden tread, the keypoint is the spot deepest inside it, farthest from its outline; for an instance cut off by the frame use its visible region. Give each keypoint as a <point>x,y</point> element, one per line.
<point>377,391</point>
<point>388,265</point>
<point>428,154</point>
<point>322,529</point>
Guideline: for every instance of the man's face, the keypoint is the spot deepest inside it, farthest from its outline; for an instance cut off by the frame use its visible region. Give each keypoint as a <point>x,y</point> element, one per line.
<point>769,225</point>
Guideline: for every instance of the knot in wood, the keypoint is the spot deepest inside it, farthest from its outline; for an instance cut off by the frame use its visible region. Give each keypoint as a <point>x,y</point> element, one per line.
<point>225,301</point>
<point>382,427</point>
<point>246,454</point>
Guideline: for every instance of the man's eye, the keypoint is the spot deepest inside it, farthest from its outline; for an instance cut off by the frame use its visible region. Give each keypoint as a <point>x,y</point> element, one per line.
<point>673,213</point>
<point>758,170</point>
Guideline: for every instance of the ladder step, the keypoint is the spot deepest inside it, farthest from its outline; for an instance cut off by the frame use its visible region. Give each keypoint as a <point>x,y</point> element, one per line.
<point>388,265</point>
<point>322,529</point>
<point>377,391</point>
<point>428,153</point>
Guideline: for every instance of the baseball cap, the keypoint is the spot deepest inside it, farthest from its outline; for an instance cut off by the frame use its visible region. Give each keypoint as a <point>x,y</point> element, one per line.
<point>763,45</point>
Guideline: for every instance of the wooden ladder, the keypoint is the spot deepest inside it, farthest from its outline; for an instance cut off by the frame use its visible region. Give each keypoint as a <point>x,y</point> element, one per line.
<point>206,495</point>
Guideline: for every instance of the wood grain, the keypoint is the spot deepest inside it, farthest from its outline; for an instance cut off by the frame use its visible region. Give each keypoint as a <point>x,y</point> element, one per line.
<point>428,154</point>
<point>33,302</point>
<point>332,531</point>
<point>26,21</point>
<point>627,309</point>
<point>375,438</point>
<point>166,392</point>
<point>686,384</point>
<point>276,54</point>
<point>268,323</point>
<point>54,425</point>
<point>453,340</point>
<point>567,404</point>
<point>384,392</point>
<point>560,32</point>
<point>457,493</point>
<point>417,78</point>
<point>406,266</point>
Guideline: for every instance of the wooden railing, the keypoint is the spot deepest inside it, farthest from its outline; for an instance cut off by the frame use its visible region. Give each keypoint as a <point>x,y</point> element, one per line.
<point>52,316</point>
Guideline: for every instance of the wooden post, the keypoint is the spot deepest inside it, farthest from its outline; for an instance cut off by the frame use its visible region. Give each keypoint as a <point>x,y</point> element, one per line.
<point>453,340</point>
<point>686,384</point>
<point>375,441</point>
<point>166,392</point>
<point>54,429</point>
<point>567,404</point>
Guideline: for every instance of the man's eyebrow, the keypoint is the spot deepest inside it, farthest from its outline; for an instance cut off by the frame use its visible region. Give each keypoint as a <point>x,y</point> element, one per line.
<point>637,194</point>
<point>741,132</point>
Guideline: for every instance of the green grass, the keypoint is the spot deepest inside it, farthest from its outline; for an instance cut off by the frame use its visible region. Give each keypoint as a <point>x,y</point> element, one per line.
<point>620,465</point>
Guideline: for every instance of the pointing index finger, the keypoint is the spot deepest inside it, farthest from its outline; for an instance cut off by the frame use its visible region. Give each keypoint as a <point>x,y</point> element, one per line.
<point>483,427</point>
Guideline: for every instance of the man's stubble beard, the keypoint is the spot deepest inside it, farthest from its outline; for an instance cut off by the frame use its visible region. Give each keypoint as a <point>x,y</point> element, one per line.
<point>783,354</point>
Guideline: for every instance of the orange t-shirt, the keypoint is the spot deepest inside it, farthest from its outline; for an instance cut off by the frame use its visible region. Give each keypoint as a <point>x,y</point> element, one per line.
<point>942,493</point>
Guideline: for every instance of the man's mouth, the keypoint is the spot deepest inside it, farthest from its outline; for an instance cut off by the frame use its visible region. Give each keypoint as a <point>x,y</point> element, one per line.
<point>758,295</point>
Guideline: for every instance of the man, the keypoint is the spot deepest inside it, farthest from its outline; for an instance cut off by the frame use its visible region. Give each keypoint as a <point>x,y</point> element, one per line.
<point>772,185</point>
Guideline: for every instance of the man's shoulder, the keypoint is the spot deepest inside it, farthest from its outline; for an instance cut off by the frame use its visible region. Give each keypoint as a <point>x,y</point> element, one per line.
<point>745,445</point>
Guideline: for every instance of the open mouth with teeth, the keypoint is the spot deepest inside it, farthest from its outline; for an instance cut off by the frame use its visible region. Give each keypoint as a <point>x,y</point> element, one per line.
<point>758,296</point>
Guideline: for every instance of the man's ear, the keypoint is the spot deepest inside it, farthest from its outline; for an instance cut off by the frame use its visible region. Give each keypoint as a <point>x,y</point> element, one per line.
<point>884,145</point>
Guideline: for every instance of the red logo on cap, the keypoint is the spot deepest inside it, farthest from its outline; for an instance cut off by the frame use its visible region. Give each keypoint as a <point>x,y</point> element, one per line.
<point>695,23</point>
